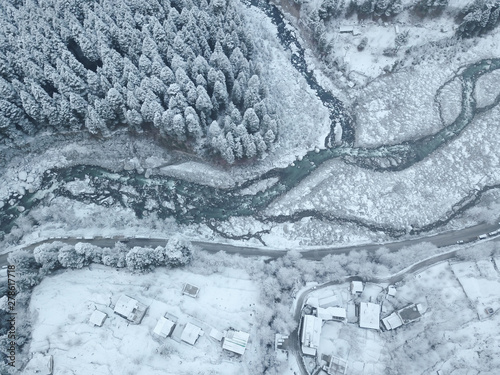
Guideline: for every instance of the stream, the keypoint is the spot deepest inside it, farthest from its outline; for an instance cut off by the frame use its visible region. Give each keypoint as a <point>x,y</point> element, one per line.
<point>190,202</point>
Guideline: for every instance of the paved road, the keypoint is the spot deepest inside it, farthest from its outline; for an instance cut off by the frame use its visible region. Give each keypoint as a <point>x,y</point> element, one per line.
<point>468,234</point>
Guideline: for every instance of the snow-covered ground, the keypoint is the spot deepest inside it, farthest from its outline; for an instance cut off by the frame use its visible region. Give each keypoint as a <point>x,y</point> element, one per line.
<point>401,106</point>
<point>390,109</point>
<point>62,304</point>
<point>417,196</point>
<point>449,336</point>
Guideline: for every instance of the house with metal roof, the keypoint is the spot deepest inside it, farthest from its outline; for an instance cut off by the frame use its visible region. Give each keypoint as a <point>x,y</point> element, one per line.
<point>310,334</point>
<point>235,341</point>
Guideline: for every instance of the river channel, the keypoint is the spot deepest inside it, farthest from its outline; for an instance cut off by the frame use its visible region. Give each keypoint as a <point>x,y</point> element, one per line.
<point>190,202</point>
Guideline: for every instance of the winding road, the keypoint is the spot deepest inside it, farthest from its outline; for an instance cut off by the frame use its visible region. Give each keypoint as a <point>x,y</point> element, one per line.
<point>444,239</point>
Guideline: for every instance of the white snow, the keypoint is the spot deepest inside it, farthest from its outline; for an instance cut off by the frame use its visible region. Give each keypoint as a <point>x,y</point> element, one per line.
<point>62,304</point>
<point>369,315</point>
<point>97,318</point>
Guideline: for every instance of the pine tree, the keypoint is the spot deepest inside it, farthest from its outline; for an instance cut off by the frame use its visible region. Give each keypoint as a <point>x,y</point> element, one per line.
<point>251,95</point>
<point>178,126</point>
<point>248,146</point>
<point>192,122</point>
<point>203,102</point>
<point>220,97</point>
<point>269,137</point>
<point>251,120</point>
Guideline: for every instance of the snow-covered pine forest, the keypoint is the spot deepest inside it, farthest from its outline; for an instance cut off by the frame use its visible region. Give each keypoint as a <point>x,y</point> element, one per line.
<point>178,71</point>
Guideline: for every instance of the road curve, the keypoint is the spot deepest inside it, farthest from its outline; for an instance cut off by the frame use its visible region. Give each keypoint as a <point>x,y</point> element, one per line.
<point>444,239</point>
<point>468,234</point>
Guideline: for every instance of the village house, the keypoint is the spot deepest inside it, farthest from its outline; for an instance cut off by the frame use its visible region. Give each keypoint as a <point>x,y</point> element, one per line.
<point>130,309</point>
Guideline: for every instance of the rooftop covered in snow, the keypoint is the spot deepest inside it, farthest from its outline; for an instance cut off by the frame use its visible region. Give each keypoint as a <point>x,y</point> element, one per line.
<point>191,333</point>
<point>392,321</point>
<point>369,315</point>
<point>356,287</point>
<point>236,341</point>
<point>130,309</point>
<point>98,317</point>
<point>164,327</point>
<point>311,334</point>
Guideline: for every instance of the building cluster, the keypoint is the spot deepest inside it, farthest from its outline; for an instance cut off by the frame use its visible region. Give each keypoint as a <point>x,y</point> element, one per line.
<point>168,326</point>
<point>319,310</point>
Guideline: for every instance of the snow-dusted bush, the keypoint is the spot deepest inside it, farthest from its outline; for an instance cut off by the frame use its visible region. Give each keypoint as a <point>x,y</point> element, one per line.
<point>70,258</point>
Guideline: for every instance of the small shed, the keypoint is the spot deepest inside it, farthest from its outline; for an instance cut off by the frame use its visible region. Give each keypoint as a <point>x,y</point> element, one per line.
<point>356,287</point>
<point>190,290</point>
<point>164,327</point>
<point>393,321</point>
<point>216,334</point>
<point>98,317</point>
<point>191,333</point>
<point>346,29</point>
<point>391,291</point>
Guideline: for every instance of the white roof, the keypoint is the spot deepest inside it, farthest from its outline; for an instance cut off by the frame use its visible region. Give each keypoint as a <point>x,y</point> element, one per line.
<point>308,351</point>
<point>97,318</point>
<point>236,341</point>
<point>356,287</point>
<point>338,312</point>
<point>311,331</point>
<point>328,301</point>
<point>346,29</point>
<point>369,315</point>
<point>125,306</point>
<point>332,313</point>
<point>216,334</point>
<point>164,327</point>
<point>391,290</point>
<point>393,321</point>
<point>190,333</point>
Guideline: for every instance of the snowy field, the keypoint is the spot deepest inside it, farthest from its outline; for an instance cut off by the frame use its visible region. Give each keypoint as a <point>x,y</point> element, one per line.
<point>416,196</point>
<point>62,304</point>
<point>481,284</point>
<point>400,106</point>
<point>449,336</point>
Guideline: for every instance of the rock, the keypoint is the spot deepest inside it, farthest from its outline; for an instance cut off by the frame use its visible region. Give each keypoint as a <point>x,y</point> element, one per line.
<point>23,175</point>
